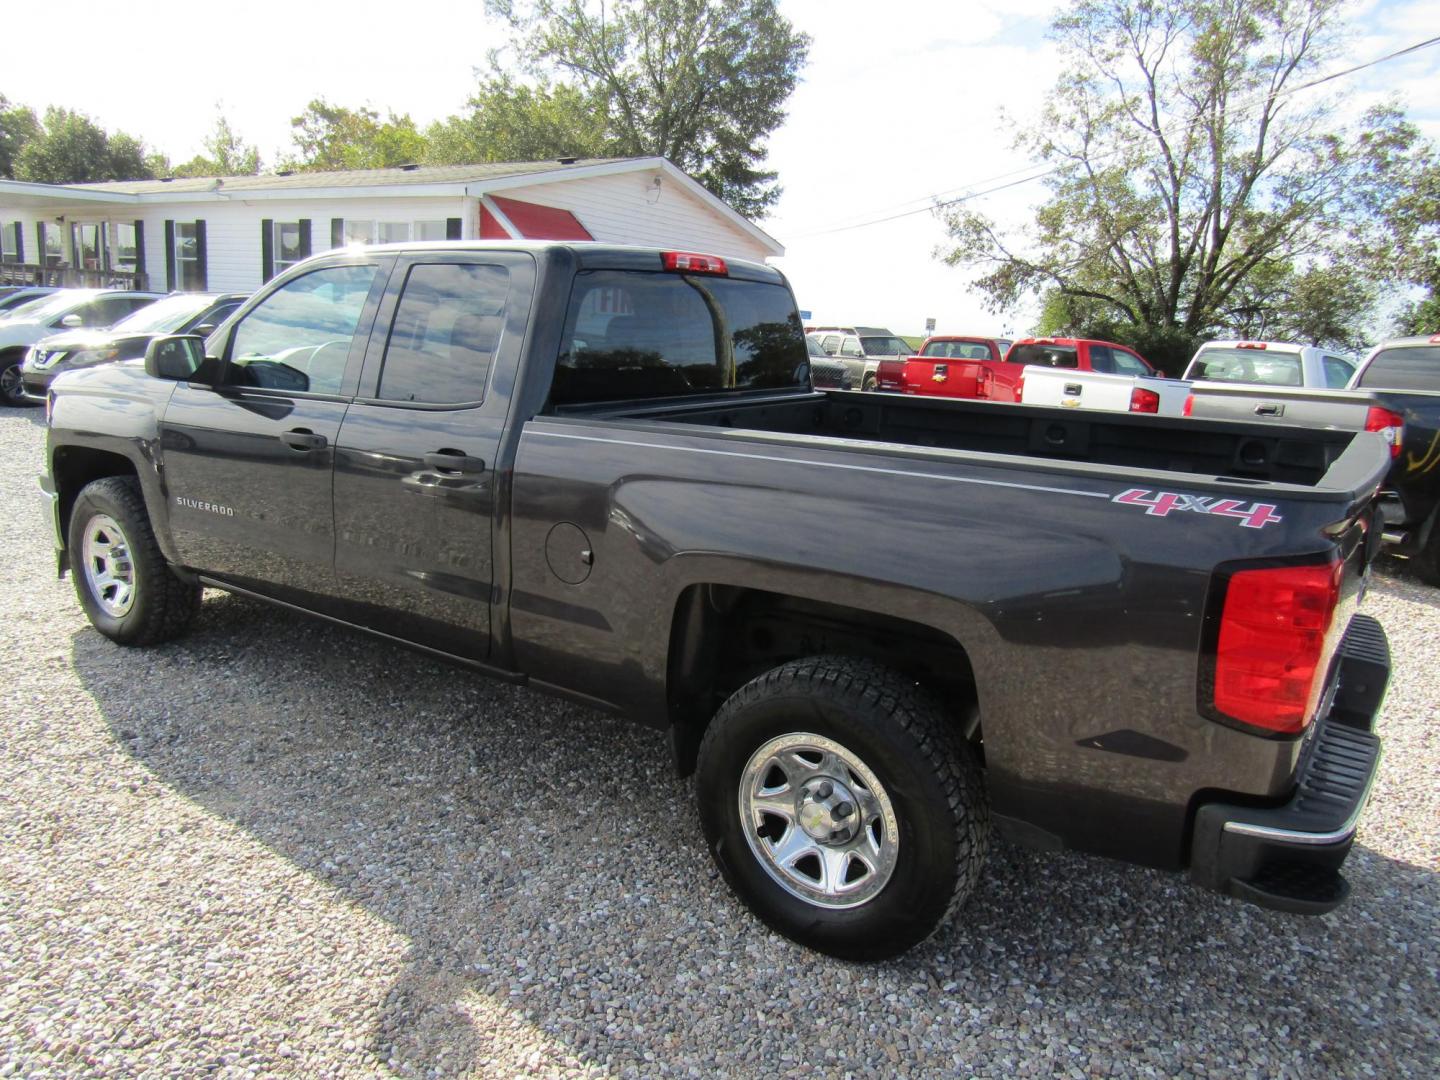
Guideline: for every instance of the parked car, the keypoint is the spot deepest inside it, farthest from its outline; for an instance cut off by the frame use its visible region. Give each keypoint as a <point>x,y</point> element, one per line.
<point>1395,392</point>
<point>13,296</point>
<point>861,350</point>
<point>179,313</point>
<point>826,372</point>
<point>1270,363</point>
<point>948,365</point>
<point>655,513</point>
<point>1103,390</point>
<point>67,309</point>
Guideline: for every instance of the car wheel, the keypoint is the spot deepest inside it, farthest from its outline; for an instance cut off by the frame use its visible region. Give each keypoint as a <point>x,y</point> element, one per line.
<point>12,390</point>
<point>870,381</point>
<point>842,807</point>
<point>126,587</point>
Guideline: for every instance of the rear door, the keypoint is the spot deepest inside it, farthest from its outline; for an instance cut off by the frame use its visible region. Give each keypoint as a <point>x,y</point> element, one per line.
<point>415,485</point>
<point>248,462</point>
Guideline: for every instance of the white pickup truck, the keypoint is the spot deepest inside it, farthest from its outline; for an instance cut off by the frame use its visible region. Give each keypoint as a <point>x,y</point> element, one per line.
<point>1101,390</point>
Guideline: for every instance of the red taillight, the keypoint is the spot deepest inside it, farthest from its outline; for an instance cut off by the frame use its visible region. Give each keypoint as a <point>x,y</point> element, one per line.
<point>1250,345</point>
<point>1020,388</point>
<point>1142,400</point>
<point>1389,425</point>
<point>1272,644</point>
<point>1189,407</point>
<point>691,263</point>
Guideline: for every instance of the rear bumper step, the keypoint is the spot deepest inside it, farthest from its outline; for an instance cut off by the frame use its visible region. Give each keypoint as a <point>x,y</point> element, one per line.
<point>1288,857</point>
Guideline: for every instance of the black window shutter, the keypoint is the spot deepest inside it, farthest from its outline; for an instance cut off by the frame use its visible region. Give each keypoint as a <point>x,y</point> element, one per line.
<point>169,255</point>
<point>267,249</point>
<point>40,243</point>
<point>304,237</point>
<point>200,254</point>
<point>452,228</point>
<point>337,232</point>
<point>140,253</point>
<point>19,242</point>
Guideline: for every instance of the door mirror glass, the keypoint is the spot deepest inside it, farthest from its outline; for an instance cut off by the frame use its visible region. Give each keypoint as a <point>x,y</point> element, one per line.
<point>72,321</point>
<point>176,357</point>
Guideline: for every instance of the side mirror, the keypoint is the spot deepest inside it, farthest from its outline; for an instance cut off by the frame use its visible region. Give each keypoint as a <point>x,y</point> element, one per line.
<point>72,321</point>
<point>204,329</point>
<point>176,357</point>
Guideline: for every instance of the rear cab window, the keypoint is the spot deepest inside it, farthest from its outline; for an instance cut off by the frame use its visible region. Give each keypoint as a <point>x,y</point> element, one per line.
<point>1256,366</point>
<point>1055,356</point>
<point>1414,367</point>
<point>634,334</point>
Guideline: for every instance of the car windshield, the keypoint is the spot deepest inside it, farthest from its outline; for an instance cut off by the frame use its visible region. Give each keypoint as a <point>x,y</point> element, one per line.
<point>1262,367</point>
<point>883,346</point>
<point>164,316</point>
<point>1405,368</point>
<point>46,306</point>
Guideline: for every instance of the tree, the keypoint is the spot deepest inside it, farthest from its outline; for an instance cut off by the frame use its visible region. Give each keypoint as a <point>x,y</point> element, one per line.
<point>226,154</point>
<point>70,148</point>
<point>510,121</point>
<point>336,137</point>
<point>18,125</point>
<point>1192,188</point>
<point>700,82</point>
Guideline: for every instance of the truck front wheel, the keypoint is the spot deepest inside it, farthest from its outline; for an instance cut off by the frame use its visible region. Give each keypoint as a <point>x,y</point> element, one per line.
<point>842,807</point>
<point>126,587</point>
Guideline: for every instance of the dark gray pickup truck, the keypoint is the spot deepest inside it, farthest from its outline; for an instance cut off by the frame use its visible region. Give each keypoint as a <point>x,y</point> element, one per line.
<point>873,625</point>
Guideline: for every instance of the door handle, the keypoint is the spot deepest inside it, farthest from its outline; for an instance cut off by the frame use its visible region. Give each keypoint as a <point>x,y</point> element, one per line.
<point>453,461</point>
<point>303,439</point>
<point>1269,408</point>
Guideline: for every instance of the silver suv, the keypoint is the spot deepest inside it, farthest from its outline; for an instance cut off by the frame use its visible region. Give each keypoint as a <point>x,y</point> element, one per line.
<point>860,348</point>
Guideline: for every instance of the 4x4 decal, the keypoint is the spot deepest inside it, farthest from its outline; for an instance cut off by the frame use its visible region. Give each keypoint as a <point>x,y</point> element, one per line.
<point>1160,503</point>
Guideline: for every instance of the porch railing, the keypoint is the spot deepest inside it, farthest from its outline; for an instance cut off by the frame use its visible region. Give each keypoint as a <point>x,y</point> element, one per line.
<point>70,277</point>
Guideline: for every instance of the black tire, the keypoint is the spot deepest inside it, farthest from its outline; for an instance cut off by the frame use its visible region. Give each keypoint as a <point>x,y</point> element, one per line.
<point>1425,563</point>
<point>901,734</point>
<point>870,381</point>
<point>161,605</point>
<point>11,390</point>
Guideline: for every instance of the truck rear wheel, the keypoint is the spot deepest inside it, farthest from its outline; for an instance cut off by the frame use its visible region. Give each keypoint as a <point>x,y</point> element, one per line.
<point>126,587</point>
<point>842,807</point>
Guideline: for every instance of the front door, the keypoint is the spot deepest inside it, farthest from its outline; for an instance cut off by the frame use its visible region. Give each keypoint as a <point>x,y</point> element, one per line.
<point>415,481</point>
<point>248,463</point>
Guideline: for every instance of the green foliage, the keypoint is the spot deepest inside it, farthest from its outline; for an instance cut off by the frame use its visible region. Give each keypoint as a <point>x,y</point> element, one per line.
<point>1195,192</point>
<point>509,121</point>
<point>18,125</point>
<point>70,148</point>
<point>226,154</point>
<point>700,82</point>
<point>332,137</point>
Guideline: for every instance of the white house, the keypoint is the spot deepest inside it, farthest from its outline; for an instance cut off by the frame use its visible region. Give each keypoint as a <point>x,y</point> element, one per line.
<point>234,233</point>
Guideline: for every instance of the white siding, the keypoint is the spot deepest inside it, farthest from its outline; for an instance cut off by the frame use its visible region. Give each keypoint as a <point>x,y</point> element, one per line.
<point>618,210</point>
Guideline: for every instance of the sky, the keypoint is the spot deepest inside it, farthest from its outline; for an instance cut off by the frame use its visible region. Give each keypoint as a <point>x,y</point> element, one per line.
<point>899,103</point>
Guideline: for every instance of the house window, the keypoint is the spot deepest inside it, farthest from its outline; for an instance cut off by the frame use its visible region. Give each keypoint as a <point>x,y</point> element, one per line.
<point>10,242</point>
<point>392,232</point>
<point>430,230</point>
<point>359,232</point>
<point>288,247</point>
<point>88,246</point>
<point>123,245</point>
<point>189,256</point>
<point>52,244</point>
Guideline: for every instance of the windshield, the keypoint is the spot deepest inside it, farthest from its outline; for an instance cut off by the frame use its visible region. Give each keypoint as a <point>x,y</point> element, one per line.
<point>1258,366</point>
<point>164,316</point>
<point>1413,368</point>
<point>1056,356</point>
<point>884,346</point>
<point>633,334</point>
<point>46,306</point>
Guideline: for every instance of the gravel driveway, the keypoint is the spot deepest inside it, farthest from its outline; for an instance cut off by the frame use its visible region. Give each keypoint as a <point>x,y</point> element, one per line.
<point>276,848</point>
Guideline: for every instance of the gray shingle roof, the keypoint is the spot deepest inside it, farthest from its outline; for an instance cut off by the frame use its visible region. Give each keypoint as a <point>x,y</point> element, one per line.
<point>403,175</point>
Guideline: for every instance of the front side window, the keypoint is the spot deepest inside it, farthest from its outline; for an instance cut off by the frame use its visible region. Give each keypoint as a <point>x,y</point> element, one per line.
<point>851,347</point>
<point>288,248</point>
<point>446,330</point>
<point>1414,368</point>
<point>298,338</point>
<point>633,334</point>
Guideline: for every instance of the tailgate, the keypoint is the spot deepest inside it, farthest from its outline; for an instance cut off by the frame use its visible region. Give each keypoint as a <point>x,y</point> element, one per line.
<point>1342,409</point>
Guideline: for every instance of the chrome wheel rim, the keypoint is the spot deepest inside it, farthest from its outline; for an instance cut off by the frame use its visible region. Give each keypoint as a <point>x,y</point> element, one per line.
<point>109,572</point>
<point>11,385</point>
<point>818,820</point>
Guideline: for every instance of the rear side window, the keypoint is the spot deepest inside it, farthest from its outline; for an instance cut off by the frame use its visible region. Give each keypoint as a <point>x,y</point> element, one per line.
<point>1337,372</point>
<point>1247,366</point>
<point>446,330</point>
<point>1056,356</point>
<point>635,334</point>
<point>1414,368</point>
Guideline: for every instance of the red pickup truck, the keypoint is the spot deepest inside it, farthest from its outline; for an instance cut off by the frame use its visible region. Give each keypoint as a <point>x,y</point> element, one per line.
<point>972,367</point>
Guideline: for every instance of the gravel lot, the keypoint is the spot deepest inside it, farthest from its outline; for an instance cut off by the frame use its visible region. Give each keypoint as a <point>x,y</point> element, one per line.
<point>275,848</point>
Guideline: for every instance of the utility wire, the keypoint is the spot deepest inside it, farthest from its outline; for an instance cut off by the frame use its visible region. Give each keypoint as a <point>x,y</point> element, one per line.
<point>938,204</point>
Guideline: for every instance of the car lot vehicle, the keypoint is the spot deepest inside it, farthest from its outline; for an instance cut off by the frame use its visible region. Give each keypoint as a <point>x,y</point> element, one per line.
<point>861,350</point>
<point>826,372</point>
<point>1395,391</point>
<point>1269,363</point>
<point>179,313</point>
<point>603,472</point>
<point>13,296</point>
<point>951,365</point>
<point>67,309</point>
<point>1103,390</point>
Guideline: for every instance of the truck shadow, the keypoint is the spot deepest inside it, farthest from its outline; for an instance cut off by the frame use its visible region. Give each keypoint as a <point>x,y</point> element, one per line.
<point>543,857</point>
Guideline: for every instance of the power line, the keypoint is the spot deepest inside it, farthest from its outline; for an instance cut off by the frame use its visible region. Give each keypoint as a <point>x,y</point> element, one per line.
<point>938,205</point>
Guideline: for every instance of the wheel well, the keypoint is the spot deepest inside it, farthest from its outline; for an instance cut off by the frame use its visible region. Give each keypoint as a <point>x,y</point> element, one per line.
<point>722,636</point>
<point>75,466</point>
